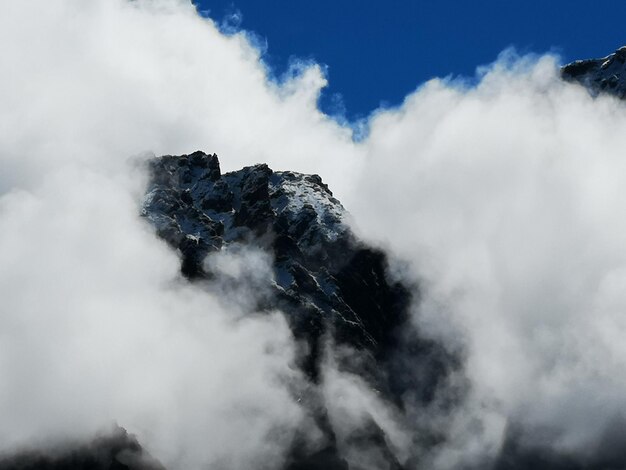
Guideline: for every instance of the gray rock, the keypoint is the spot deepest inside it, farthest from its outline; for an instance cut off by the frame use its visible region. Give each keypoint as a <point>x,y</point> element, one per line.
<point>326,281</point>
<point>605,75</point>
<point>323,277</point>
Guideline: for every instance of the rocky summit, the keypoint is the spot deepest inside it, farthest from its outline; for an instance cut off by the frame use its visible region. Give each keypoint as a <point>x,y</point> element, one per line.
<point>331,287</point>
<point>116,450</point>
<point>323,277</point>
<point>604,75</point>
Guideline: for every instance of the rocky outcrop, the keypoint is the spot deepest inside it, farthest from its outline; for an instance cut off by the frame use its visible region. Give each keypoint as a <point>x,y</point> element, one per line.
<point>329,284</point>
<point>323,277</point>
<point>605,75</point>
<point>115,451</point>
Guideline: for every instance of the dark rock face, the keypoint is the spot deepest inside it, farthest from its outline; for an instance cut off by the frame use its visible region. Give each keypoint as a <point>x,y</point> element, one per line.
<point>117,451</point>
<point>608,453</point>
<point>323,277</point>
<point>328,283</point>
<point>605,75</point>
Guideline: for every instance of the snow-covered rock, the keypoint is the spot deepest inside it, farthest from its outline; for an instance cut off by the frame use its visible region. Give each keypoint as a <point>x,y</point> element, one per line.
<point>329,284</point>
<point>604,75</point>
<point>323,277</point>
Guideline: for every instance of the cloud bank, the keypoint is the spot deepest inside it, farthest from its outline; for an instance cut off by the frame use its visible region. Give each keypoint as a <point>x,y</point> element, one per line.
<point>504,199</point>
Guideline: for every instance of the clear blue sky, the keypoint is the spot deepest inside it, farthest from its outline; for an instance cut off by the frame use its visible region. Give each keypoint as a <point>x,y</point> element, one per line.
<point>378,51</point>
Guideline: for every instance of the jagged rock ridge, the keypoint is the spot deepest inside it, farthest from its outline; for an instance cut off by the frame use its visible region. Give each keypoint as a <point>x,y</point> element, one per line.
<point>604,75</point>
<point>322,275</point>
<point>325,280</point>
<point>115,451</point>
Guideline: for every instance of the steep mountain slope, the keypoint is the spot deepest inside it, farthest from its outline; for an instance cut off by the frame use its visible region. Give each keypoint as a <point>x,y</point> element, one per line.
<point>322,274</point>
<point>115,451</point>
<point>604,75</point>
<point>330,285</point>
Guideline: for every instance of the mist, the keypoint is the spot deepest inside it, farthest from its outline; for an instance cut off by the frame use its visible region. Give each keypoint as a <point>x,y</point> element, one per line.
<point>503,200</point>
<point>505,197</point>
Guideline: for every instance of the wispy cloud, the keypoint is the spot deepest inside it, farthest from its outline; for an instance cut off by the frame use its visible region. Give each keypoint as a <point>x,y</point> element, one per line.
<point>504,198</point>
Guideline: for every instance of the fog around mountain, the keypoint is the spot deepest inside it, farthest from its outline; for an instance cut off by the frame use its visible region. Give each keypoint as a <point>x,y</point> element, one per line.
<point>502,201</point>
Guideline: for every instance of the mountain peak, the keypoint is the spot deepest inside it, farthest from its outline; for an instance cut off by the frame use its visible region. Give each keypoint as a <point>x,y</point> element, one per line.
<point>603,75</point>
<point>329,284</point>
<point>322,274</point>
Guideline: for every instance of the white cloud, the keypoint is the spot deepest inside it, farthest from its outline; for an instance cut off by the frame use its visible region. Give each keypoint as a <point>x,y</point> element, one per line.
<point>96,329</point>
<point>506,199</point>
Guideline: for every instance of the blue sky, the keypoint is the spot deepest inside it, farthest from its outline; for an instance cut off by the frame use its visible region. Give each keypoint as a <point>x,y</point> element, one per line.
<point>377,52</point>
